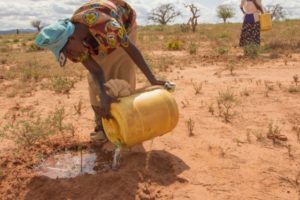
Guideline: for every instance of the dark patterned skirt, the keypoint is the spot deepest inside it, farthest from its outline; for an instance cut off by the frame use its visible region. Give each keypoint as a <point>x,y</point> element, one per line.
<point>250,34</point>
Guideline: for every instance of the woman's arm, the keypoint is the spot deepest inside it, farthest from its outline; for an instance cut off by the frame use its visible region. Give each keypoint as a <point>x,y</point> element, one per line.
<point>258,6</point>
<point>242,6</point>
<point>98,76</point>
<point>138,59</point>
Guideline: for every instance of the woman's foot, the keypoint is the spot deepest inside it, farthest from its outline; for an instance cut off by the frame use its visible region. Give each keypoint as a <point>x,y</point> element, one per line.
<point>98,135</point>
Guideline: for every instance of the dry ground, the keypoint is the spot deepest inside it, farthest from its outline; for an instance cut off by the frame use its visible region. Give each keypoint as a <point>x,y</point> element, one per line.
<point>238,136</point>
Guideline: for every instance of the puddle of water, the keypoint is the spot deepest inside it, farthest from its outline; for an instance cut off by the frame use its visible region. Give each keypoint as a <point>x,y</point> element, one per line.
<point>68,165</point>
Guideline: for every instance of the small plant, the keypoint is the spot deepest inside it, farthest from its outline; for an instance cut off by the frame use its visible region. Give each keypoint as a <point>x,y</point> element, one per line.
<point>245,93</point>
<point>30,128</point>
<point>248,134</point>
<point>185,103</point>
<point>197,87</point>
<point>269,88</point>
<point>185,28</point>
<point>61,84</point>
<point>78,108</point>
<point>274,133</point>
<point>294,89</point>
<point>289,148</point>
<point>211,109</point>
<point>231,67</point>
<point>190,125</point>
<point>222,50</point>
<point>174,45</point>
<point>193,48</point>
<point>226,102</point>
<point>3,61</point>
<point>296,79</point>
<point>251,50</point>
<point>296,129</point>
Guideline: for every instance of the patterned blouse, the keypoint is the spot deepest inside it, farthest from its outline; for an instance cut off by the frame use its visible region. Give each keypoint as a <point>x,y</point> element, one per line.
<point>109,21</point>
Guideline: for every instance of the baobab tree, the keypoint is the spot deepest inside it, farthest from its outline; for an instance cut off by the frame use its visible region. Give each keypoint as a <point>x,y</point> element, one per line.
<point>193,21</point>
<point>164,14</point>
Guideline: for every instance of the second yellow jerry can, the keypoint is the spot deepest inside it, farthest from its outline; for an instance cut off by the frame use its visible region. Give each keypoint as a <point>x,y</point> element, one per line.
<point>265,22</point>
<point>141,116</point>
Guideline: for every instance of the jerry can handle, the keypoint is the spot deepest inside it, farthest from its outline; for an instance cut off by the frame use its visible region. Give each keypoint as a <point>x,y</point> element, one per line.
<point>170,86</point>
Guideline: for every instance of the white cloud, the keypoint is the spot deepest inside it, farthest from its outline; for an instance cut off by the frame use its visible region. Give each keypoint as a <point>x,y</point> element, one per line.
<point>19,13</point>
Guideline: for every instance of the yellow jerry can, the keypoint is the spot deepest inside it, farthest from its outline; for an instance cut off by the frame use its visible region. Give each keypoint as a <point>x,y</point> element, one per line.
<point>265,22</point>
<point>141,116</point>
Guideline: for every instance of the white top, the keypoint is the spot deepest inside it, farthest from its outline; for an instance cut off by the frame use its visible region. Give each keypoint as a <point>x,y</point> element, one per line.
<point>250,8</point>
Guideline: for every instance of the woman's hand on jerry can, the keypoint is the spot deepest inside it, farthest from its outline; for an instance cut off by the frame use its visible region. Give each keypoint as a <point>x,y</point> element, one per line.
<point>167,84</point>
<point>106,102</point>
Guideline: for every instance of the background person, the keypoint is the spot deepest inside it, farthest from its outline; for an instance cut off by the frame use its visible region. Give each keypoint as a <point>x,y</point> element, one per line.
<point>251,27</point>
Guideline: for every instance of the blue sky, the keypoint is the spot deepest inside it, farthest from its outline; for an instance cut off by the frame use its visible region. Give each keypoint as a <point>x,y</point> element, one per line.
<point>19,13</point>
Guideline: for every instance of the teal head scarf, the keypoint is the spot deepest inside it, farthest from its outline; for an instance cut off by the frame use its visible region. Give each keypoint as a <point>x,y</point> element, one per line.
<point>55,36</point>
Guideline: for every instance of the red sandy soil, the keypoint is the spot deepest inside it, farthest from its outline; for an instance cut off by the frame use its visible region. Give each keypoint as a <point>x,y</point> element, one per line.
<point>220,161</point>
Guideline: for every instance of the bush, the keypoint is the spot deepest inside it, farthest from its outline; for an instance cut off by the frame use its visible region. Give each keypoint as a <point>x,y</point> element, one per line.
<point>251,50</point>
<point>193,48</point>
<point>61,84</point>
<point>222,50</point>
<point>31,128</point>
<point>174,45</point>
<point>226,102</point>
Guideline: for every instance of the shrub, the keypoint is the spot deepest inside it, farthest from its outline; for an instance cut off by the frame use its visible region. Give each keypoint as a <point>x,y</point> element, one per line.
<point>31,128</point>
<point>174,45</point>
<point>251,50</point>
<point>222,50</point>
<point>61,84</point>
<point>190,125</point>
<point>226,102</point>
<point>294,89</point>
<point>193,48</point>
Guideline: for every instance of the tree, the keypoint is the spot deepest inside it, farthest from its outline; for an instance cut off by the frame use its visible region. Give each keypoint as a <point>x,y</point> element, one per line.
<point>194,18</point>
<point>36,24</point>
<point>225,12</point>
<point>164,14</point>
<point>277,11</point>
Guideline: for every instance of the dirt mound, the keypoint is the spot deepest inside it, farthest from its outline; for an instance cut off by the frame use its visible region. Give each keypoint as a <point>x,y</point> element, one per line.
<point>131,181</point>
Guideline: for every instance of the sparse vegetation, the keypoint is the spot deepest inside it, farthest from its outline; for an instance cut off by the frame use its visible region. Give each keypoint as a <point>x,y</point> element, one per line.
<point>222,50</point>
<point>296,79</point>
<point>231,66</point>
<point>190,126</point>
<point>251,50</point>
<point>274,133</point>
<point>174,45</point>
<point>30,128</point>
<point>28,77</point>
<point>61,84</point>
<point>193,48</point>
<point>211,109</point>
<point>294,89</point>
<point>226,103</point>
<point>197,87</point>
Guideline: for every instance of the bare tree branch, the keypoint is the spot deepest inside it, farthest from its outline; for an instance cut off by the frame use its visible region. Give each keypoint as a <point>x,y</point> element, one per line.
<point>277,11</point>
<point>193,21</point>
<point>36,24</point>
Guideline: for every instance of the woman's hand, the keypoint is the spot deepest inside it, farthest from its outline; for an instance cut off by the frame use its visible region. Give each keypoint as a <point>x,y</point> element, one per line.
<point>106,102</point>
